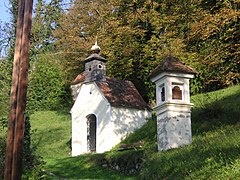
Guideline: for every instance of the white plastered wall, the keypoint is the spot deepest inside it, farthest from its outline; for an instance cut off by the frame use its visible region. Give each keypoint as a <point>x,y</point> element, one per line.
<point>173,126</point>
<point>125,121</point>
<point>113,123</point>
<point>89,101</point>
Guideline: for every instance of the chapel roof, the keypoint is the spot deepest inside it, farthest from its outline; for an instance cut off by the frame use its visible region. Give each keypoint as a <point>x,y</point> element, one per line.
<point>80,78</point>
<point>172,64</point>
<point>122,93</point>
<point>119,93</point>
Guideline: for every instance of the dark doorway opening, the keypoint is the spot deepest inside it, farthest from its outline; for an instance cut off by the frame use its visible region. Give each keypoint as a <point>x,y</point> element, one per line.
<point>91,132</point>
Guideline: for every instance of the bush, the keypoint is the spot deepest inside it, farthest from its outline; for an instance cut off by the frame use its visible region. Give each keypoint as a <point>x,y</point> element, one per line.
<point>32,163</point>
<point>5,86</point>
<point>47,86</point>
<point>2,157</point>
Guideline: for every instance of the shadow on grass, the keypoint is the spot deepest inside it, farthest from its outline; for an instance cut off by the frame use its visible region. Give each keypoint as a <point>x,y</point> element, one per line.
<point>201,160</point>
<point>82,167</point>
<point>212,112</point>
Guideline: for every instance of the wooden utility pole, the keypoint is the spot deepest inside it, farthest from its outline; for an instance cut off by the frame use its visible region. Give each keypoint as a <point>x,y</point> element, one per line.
<point>13,161</point>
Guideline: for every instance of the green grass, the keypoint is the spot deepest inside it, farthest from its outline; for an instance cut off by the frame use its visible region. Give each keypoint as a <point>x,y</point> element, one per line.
<point>81,167</point>
<point>213,154</point>
<point>51,134</point>
<point>216,109</point>
<point>209,154</point>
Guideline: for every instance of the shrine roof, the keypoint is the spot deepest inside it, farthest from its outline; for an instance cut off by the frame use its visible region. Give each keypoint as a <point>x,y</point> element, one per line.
<point>172,64</point>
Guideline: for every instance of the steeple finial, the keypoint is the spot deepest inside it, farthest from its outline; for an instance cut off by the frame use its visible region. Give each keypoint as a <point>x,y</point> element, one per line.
<point>95,48</point>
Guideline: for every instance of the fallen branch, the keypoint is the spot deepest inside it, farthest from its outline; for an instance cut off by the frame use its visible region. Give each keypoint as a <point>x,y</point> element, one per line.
<point>129,146</point>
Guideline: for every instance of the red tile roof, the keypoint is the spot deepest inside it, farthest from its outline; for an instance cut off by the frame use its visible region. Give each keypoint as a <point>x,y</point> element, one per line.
<point>78,79</point>
<point>172,64</point>
<point>119,93</point>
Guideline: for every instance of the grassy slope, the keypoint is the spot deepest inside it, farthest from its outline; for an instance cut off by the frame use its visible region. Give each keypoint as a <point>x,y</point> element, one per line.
<point>214,153</point>
<point>52,133</point>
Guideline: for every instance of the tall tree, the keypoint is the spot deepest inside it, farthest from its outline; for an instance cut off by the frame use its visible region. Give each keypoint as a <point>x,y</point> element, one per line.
<point>136,35</point>
<point>11,30</point>
<point>44,23</point>
<point>7,42</point>
<point>216,39</point>
<point>78,30</point>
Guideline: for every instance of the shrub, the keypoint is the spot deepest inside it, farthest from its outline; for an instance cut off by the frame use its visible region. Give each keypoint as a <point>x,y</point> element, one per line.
<point>5,85</point>
<point>47,88</point>
<point>2,157</point>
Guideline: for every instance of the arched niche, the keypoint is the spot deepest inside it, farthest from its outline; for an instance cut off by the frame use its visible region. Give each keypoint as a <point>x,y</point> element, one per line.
<point>176,92</point>
<point>91,132</point>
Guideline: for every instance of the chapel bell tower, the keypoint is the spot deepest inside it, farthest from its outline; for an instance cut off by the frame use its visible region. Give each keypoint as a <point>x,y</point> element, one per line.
<point>95,66</point>
<point>173,107</point>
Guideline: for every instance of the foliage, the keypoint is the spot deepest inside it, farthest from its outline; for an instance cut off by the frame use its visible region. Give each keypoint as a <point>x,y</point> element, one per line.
<point>136,35</point>
<point>5,86</point>
<point>2,151</point>
<point>215,38</point>
<point>46,88</point>
<point>131,32</point>
<point>43,24</point>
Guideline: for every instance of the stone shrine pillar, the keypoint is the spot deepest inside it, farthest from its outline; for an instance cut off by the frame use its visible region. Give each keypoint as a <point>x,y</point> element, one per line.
<point>173,107</point>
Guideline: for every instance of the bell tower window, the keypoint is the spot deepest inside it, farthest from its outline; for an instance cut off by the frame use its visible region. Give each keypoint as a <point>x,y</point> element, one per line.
<point>90,68</point>
<point>95,66</point>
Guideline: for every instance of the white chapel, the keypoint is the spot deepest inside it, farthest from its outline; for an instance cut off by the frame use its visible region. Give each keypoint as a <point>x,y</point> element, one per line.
<point>105,109</point>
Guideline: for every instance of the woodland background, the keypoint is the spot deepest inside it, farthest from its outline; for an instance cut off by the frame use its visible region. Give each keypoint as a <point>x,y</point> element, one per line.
<point>134,36</point>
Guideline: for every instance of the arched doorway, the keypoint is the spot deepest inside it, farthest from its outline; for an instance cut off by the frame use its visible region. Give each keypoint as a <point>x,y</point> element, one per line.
<point>91,132</point>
